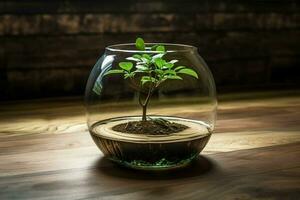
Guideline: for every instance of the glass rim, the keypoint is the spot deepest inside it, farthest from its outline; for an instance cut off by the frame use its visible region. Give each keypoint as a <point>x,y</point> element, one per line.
<point>177,48</point>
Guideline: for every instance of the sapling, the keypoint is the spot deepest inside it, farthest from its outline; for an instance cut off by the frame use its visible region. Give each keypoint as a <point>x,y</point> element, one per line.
<point>150,69</point>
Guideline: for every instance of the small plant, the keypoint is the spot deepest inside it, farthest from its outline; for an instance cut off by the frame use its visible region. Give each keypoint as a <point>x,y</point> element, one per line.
<point>151,70</point>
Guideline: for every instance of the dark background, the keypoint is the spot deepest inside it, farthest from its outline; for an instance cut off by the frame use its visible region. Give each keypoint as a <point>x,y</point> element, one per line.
<point>47,48</point>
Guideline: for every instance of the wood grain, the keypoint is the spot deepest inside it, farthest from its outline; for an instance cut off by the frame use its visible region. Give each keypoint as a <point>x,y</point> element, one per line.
<point>47,153</point>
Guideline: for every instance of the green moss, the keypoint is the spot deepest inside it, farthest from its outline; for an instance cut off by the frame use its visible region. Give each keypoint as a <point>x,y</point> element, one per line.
<point>157,165</point>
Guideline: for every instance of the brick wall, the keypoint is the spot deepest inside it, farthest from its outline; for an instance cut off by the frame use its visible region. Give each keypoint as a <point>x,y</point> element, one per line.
<point>49,47</point>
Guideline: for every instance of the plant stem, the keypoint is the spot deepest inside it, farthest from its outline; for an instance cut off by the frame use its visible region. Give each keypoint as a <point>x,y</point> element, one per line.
<point>146,102</point>
<point>144,117</point>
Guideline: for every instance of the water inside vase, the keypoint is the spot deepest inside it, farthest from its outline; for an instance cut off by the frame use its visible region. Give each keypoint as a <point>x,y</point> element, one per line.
<point>151,151</point>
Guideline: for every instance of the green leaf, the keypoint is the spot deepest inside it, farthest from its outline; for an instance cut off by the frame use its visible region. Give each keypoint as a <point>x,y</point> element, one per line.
<point>129,75</point>
<point>145,60</point>
<point>172,72</point>
<point>159,62</point>
<point>137,56</point>
<point>153,48</point>
<point>173,61</point>
<point>140,71</point>
<point>160,48</point>
<point>188,71</point>
<point>114,71</point>
<point>159,71</point>
<point>141,63</point>
<point>126,65</point>
<point>133,59</point>
<point>174,77</point>
<point>146,79</point>
<point>169,65</point>
<point>140,44</point>
<point>179,67</point>
<point>147,56</point>
<point>160,55</point>
<point>142,67</point>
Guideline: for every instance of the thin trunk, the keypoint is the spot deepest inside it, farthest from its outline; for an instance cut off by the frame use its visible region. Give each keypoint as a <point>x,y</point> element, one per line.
<point>145,104</point>
<point>144,118</point>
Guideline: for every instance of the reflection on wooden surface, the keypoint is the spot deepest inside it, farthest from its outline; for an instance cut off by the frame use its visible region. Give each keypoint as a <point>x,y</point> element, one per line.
<point>47,153</point>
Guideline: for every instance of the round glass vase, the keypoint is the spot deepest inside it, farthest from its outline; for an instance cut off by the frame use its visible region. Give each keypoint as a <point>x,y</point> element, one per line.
<point>114,101</point>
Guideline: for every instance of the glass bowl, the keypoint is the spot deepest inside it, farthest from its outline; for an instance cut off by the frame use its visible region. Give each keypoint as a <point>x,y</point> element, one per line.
<point>113,104</point>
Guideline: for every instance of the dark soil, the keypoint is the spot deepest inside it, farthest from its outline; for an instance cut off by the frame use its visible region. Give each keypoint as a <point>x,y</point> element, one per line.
<point>150,127</point>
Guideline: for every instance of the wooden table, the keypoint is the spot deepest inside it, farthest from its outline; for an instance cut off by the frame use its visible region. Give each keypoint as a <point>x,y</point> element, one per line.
<point>47,153</point>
